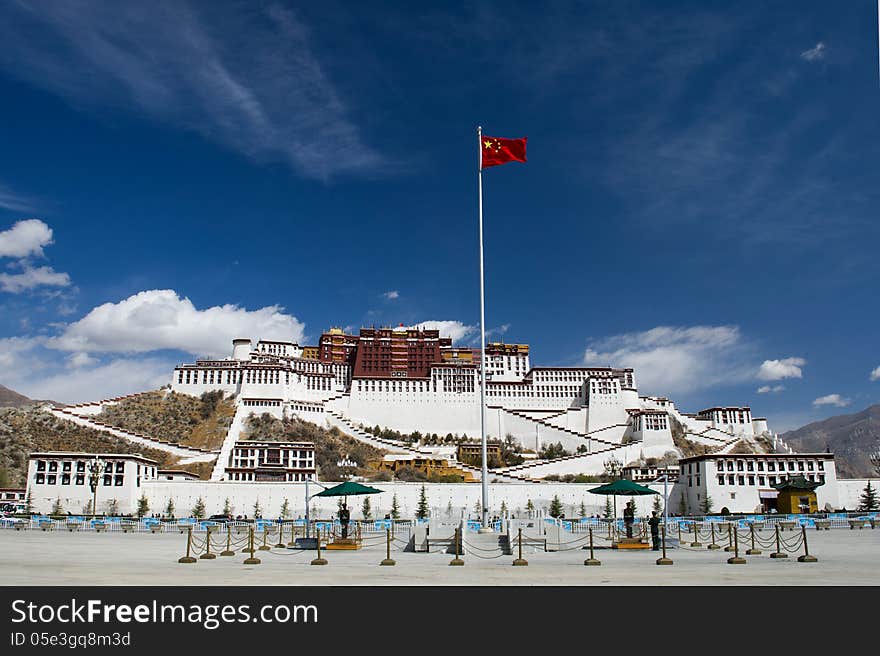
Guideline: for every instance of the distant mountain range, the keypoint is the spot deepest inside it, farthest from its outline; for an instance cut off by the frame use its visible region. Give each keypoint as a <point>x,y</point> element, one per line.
<point>851,438</point>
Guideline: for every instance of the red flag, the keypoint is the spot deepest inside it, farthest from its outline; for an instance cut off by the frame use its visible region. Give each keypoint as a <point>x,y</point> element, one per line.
<point>496,150</point>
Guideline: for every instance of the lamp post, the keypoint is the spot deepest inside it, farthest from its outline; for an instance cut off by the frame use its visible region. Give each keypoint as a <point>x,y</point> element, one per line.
<point>96,471</point>
<point>345,464</point>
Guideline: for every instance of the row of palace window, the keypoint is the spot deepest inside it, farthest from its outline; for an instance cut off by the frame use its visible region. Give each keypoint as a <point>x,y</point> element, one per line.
<point>67,466</point>
<point>751,465</point>
<point>761,480</point>
<point>654,422</point>
<point>78,479</point>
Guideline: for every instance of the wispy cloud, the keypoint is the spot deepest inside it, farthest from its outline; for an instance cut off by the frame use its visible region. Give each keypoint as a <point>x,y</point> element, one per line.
<point>244,75</point>
<point>767,389</point>
<point>832,399</point>
<point>31,278</point>
<point>675,359</point>
<point>815,53</point>
<point>875,375</point>
<point>780,369</point>
<point>391,295</point>
<point>9,200</point>
<point>448,328</point>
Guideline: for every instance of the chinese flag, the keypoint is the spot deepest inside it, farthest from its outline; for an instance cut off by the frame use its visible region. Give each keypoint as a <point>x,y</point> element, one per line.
<point>496,150</point>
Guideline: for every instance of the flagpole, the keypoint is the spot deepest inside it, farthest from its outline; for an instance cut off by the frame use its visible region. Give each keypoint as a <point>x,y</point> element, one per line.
<point>485,471</point>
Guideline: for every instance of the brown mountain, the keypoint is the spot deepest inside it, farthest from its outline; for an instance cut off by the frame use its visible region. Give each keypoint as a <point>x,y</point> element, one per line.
<point>851,438</point>
<point>12,399</point>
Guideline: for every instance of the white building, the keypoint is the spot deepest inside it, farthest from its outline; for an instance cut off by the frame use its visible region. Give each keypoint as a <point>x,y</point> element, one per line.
<point>272,461</point>
<point>743,482</point>
<point>64,477</point>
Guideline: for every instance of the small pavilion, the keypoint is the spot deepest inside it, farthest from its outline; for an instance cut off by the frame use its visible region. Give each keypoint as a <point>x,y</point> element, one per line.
<point>797,495</point>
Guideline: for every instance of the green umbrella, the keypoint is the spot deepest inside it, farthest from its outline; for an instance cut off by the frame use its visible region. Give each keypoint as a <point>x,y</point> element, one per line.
<point>347,489</point>
<point>623,487</point>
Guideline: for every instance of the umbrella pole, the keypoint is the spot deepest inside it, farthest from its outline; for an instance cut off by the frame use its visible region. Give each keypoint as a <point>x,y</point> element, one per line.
<point>615,520</point>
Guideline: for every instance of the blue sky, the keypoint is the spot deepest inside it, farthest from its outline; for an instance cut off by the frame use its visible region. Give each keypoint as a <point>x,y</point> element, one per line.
<point>700,202</point>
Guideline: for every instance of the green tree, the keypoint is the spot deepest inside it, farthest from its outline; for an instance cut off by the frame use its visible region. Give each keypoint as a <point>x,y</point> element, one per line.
<point>285,509</point>
<point>582,510</point>
<point>478,508</point>
<point>868,501</point>
<point>143,506</point>
<point>227,507</point>
<point>658,506</point>
<point>530,507</point>
<point>258,509</point>
<point>395,508</point>
<point>366,509</point>
<point>29,503</point>
<point>706,505</point>
<point>422,508</point>
<point>87,508</point>
<point>556,507</point>
<point>111,507</point>
<point>58,507</point>
<point>198,510</point>
<point>503,509</point>
<point>169,509</point>
<point>449,508</point>
<point>609,508</point>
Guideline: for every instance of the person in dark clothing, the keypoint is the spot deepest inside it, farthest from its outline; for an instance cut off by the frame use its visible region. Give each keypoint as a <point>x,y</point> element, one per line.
<point>344,517</point>
<point>629,516</point>
<point>654,523</point>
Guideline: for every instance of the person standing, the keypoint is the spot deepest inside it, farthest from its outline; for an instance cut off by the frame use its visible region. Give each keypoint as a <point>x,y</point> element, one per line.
<point>654,523</point>
<point>629,516</point>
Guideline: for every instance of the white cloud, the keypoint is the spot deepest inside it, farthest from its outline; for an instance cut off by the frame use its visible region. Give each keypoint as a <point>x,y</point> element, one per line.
<point>670,359</point>
<point>160,319</point>
<point>875,375</point>
<point>765,389</point>
<point>79,360</point>
<point>242,74</point>
<point>15,355</point>
<point>779,369</point>
<point>391,295</point>
<point>25,238</point>
<point>31,278</point>
<point>454,329</point>
<point>832,399</point>
<point>815,53</point>
<point>122,376</point>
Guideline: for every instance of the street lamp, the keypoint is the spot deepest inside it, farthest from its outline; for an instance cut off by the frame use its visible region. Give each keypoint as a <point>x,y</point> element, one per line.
<point>96,471</point>
<point>309,500</point>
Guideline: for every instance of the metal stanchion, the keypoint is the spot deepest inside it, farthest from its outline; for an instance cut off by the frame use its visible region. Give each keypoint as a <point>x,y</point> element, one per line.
<point>806,558</point>
<point>457,561</point>
<point>712,546</point>
<point>319,560</point>
<point>280,544</point>
<point>591,561</point>
<point>729,546</point>
<point>265,546</point>
<point>696,542</point>
<point>388,561</point>
<point>229,551</point>
<point>187,558</point>
<point>208,555</point>
<point>292,542</point>
<point>520,561</point>
<point>253,560</point>
<point>736,559</point>
<point>664,560</point>
<point>754,551</point>
<point>778,553</point>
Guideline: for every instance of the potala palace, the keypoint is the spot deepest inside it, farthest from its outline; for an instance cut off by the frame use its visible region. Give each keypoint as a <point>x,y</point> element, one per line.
<point>415,380</point>
<point>410,380</point>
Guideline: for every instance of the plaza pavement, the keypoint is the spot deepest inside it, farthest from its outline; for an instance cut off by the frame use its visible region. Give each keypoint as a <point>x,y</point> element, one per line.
<point>61,558</point>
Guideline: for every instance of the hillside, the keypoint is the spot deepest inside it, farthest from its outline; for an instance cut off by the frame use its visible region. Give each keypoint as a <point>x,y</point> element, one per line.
<point>12,399</point>
<point>194,421</point>
<point>852,438</point>
<point>331,445</point>
<point>24,430</point>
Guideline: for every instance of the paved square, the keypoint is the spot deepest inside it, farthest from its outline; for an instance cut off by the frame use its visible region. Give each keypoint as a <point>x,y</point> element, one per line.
<point>62,558</point>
